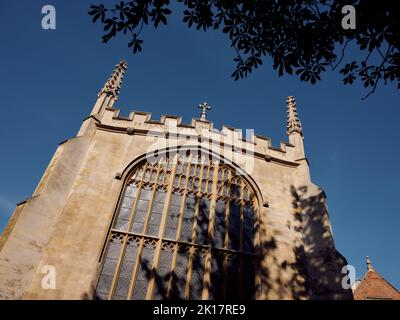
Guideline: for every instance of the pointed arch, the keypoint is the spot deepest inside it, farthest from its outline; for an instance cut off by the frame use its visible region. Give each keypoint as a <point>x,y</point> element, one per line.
<point>182,149</point>
<point>186,227</point>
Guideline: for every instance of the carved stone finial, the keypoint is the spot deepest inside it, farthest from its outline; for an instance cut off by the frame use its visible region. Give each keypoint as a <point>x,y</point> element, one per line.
<point>204,106</point>
<point>369,264</point>
<point>293,120</point>
<point>114,82</point>
<point>130,130</point>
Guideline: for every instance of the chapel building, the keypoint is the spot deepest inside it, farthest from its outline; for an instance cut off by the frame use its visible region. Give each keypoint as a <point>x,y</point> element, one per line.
<point>138,208</point>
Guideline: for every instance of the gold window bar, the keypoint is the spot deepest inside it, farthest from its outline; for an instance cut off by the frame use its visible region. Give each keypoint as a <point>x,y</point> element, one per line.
<point>227,218</point>
<point>164,215</point>
<point>141,243</point>
<point>211,223</point>
<point>195,222</point>
<point>179,228</point>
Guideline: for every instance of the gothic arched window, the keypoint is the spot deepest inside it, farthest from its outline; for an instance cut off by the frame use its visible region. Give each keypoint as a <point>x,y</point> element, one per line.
<point>184,229</point>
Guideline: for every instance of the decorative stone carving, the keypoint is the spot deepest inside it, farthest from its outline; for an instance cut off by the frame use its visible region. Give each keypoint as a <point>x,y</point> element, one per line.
<point>114,82</point>
<point>130,131</point>
<point>293,120</point>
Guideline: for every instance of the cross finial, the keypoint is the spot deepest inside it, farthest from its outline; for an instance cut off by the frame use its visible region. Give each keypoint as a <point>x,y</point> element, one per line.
<point>369,264</point>
<point>204,106</point>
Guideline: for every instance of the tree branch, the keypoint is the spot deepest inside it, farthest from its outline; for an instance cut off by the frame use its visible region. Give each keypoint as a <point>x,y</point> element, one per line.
<point>377,76</point>
<point>342,55</point>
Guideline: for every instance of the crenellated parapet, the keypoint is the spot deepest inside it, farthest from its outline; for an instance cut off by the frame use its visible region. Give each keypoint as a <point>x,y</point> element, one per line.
<point>200,131</point>
<point>171,127</point>
<point>129,186</point>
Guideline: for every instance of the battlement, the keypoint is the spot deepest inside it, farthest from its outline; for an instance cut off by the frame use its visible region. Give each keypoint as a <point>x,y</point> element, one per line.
<point>170,129</point>
<point>171,126</point>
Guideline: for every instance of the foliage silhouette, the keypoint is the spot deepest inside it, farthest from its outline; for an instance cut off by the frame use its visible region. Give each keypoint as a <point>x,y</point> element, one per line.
<point>313,270</point>
<point>303,38</point>
<point>317,259</point>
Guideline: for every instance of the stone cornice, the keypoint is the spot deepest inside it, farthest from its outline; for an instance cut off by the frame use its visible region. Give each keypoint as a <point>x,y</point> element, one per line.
<point>195,124</point>
<point>200,139</point>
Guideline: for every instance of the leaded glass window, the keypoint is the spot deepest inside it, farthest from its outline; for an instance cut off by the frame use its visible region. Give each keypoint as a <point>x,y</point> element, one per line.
<point>184,229</point>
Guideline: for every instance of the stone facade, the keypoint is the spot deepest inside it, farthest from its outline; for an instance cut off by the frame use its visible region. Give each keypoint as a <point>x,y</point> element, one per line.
<point>65,222</point>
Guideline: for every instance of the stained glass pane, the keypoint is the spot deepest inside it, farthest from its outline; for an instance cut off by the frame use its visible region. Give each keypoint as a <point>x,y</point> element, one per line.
<point>131,191</point>
<point>248,229</point>
<point>127,202</point>
<point>235,191</point>
<point>121,224</point>
<point>183,182</point>
<point>155,213</point>
<point>234,225</point>
<point>179,275</point>
<point>202,222</point>
<point>219,224</point>
<point>121,288</point>
<point>140,216</point>
<point>142,205</point>
<point>176,199</point>
<point>187,223</point>
<point>114,249</point>
<point>104,284</point>
<point>232,278</point>
<point>124,213</point>
<point>196,282</point>
<point>173,216</point>
<point>145,194</point>
<point>217,276</point>
<point>144,272</point>
<point>162,274</point>
<point>109,267</point>
<point>131,251</point>
<point>137,227</point>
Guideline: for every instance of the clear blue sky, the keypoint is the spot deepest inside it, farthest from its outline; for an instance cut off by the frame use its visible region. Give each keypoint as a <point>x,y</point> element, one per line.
<point>49,82</point>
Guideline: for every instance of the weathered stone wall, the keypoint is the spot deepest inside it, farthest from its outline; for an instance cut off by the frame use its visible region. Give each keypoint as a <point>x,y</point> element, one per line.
<point>66,221</point>
<point>33,223</point>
